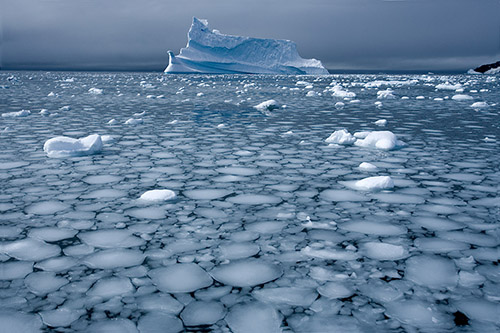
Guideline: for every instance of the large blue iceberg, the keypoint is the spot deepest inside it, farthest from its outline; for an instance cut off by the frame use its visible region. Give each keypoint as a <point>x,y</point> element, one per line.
<point>209,51</point>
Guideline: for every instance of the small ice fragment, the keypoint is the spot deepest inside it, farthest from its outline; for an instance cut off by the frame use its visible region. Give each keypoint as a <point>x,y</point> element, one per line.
<point>63,146</point>
<point>384,140</point>
<point>44,112</point>
<point>339,105</point>
<point>374,183</point>
<point>461,97</point>
<point>386,94</point>
<point>65,108</point>
<point>158,195</point>
<point>381,122</point>
<point>367,166</point>
<point>267,105</point>
<point>479,105</point>
<point>113,122</point>
<point>341,137</point>
<point>22,113</point>
<point>95,91</point>
<point>221,126</point>
<point>448,86</point>
<point>420,97</point>
<point>134,121</point>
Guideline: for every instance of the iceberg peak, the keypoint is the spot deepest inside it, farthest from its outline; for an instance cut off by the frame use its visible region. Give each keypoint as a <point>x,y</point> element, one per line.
<point>209,51</point>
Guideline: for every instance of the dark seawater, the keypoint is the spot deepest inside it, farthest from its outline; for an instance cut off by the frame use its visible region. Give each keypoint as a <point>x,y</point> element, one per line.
<point>265,233</point>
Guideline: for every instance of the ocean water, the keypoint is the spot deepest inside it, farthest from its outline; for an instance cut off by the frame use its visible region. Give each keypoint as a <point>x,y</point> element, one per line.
<point>268,230</point>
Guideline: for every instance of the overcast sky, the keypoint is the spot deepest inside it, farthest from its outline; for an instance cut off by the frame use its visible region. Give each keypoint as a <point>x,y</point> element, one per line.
<point>343,34</point>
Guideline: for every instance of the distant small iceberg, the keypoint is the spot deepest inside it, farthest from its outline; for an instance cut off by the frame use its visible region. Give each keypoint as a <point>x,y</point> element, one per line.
<point>209,51</point>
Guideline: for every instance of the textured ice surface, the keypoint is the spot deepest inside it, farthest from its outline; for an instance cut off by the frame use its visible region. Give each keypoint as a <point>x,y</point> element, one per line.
<point>63,146</point>
<point>263,204</point>
<point>209,51</point>
<point>180,278</point>
<point>253,317</point>
<point>246,273</point>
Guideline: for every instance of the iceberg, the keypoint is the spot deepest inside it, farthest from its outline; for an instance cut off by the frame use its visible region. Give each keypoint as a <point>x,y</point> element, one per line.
<point>209,51</point>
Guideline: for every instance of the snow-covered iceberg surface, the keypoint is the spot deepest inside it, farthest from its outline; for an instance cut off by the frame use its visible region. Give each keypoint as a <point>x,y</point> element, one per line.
<point>493,68</point>
<point>209,51</point>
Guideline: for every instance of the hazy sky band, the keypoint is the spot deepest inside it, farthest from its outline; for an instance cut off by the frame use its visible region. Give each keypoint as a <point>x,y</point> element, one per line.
<point>343,34</point>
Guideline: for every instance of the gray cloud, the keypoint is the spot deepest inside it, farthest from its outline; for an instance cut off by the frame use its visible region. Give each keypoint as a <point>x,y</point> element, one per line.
<point>344,34</point>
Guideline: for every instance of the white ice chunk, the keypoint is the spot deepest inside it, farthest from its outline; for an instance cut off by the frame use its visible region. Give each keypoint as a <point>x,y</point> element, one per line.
<point>95,91</point>
<point>448,86</point>
<point>462,97</point>
<point>134,121</point>
<point>253,317</point>
<point>246,273</point>
<point>202,313</point>
<point>158,195</point>
<point>479,105</point>
<point>386,94</point>
<point>365,166</point>
<point>381,122</point>
<point>437,224</point>
<point>180,278</point>
<point>22,113</point>
<point>159,302</point>
<point>267,105</point>
<point>341,137</point>
<point>431,271</point>
<point>63,146</point>
<point>384,140</point>
<point>376,183</point>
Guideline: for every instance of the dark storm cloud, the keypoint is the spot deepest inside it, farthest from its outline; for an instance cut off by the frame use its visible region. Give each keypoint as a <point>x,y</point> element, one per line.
<point>344,34</point>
